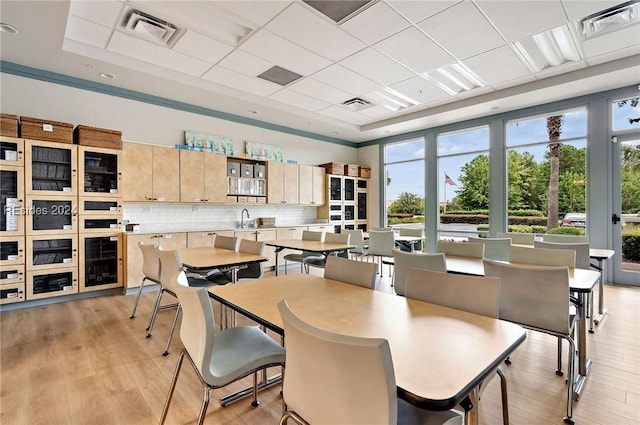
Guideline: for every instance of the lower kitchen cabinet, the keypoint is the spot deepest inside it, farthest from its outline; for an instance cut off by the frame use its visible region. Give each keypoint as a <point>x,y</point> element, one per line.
<point>102,263</point>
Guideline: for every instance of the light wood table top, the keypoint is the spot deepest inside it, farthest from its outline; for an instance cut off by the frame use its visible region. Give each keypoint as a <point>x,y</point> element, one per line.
<point>209,258</point>
<point>439,354</point>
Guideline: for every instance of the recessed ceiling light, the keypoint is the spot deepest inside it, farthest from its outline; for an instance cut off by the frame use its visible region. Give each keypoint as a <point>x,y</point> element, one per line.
<point>89,66</point>
<point>548,49</point>
<point>335,133</point>
<point>251,111</point>
<point>454,78</point>
<point>107,75</point>
<point>8,28</point>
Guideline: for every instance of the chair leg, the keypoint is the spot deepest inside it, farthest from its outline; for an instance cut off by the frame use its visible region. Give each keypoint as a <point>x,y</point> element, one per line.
<point>154,313</point>
<point>205,404</point>
<point>285,266</point>
<point>559,371</point>
<point>572,367</point>
<point>172,387</point>
<point>135,304</point>
<point>173,327</point>
<point>505,401</point>
<point>255,402</point>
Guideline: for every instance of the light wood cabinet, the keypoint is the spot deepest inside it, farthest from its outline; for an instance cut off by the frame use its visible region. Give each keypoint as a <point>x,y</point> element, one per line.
<point>100,172</point>
<point>51,215</point>
<point>102,262</point>
<point>203,177</point>
<point>150,173</point>
<point>50,168</point>
<point>133,257</point>
<point>51,283</point>
<point>12,202</point>
<point>206,239</point>
<point>12,250</point>
<point>12,284</point>
<point>51,252</point>
<point>12,151</point>
<point>327,228</point>
<point>282,183</point>
<point>312,190</point>
<point>262,236</point>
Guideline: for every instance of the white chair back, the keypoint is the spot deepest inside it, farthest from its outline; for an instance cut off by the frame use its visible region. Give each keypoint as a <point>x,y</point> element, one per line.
<point>461,249</point>
<point>542,256</point>
<point>403,260</point>
<point>171,271</point>
<point>583,258</point>
<point>474,294</point>
<point>494,248</point>
<point>150,261</point>
<point>226,242</point>
<point>408,231</point>
<point>551,237</point>
<point>381,243</point>
<point>253,270</point>
<point>518,238</point>
<point>357,239</point>
<point>350,271</point>
<point>312,235</point>
<point>337,379</point>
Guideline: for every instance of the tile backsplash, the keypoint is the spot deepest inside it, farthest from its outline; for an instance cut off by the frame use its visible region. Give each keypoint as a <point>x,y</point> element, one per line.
<point>191,217</point>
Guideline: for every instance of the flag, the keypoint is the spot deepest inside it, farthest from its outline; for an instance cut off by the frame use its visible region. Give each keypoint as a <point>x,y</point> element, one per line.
<point>449,180</point>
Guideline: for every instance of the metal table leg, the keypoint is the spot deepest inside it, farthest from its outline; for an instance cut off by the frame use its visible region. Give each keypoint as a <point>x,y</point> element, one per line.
<point>584,364</point>
<point>602,310</point>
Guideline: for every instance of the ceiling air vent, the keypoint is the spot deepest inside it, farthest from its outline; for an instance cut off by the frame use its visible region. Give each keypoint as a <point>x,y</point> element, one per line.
<point>143,25</point>
<point>356,104</point>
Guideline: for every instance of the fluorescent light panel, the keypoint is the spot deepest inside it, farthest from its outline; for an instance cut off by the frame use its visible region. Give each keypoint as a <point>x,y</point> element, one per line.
<point>548,49</point>
<point>455,78</point>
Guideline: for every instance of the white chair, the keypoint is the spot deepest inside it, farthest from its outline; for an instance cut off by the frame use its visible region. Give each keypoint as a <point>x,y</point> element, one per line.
<point>216,275</point>
<point>250,271</point>
<point>410,231</point>
<point>356,238</point>
<point>542,256</point>
<point>403,260</point>
<point>298,257</point>
<point>219,358</point>
<point>381,244</point>
<point>581,249</point>
<point>150,270</point>
<point>350,271</point>
<point>538,298</point>
<point>518,238</point>
<point>319,262</point>
<point>494,248</point>
<point>551,237</point>
<point>226,242</point>
<point>344,380</point>
<point>478,295</point>
<point>461,249</point>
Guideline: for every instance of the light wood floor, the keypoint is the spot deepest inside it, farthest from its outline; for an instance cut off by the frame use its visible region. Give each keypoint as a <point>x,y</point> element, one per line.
<point>86,362</point>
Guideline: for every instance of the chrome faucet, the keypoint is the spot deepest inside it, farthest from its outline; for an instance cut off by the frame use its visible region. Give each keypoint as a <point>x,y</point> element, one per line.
<point>242,223</point>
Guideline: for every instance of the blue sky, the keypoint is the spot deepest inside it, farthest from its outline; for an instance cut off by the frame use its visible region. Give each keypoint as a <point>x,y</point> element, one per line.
<point>456,149</point>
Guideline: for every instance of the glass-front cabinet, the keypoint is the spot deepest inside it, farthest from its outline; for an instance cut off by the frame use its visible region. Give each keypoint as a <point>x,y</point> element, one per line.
<point>100,172</point>
<point>95,206</point>
<point>11,151</point>
<point>51,252</point>
<point>50,168</point>
<point>52,215</point>
<point>11,200</point>
<point>102,264</point>
<point>11,250</point>
<point>12,284</point>
<point>52,283</point>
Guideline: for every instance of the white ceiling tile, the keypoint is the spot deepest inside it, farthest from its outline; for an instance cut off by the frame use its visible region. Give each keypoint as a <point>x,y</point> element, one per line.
<point>239,81</point>
<point>416,11</point>
<point>375,23</point>
<point>519,19</point>
<point>497,65</point>
<point>156,55</point>
<point>284,53</point>
<point>87,32</point>
<point>319,90</point>
<point>376,112</point>
<point>560,69</point>
<point>100,12</point>
<point>577,10</point>
<point>307,29</point>
<point>616,54</point>
<point>245,63</point>
<point>193,44</point>
<point>258,12</point>
<point>345,79</point>
<point>342,114</point>
<point>374,65</point>
<point>514,82</point>
<point>421,90</point>
<point>478,35</point>
<point>626,37</point>
<point>414,50</point>
<point>296,99</point>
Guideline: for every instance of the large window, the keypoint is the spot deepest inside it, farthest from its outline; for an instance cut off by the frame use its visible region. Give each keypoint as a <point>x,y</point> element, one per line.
<point>546,157</point>
<point>463,183</point>
<point>404,189</point>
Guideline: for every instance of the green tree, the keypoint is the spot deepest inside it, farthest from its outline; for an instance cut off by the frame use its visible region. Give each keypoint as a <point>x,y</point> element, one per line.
<point>571,177</point>
<point>630,170</point>
<point>407,203</point>
<point>554,130</point>
<point>524,189</point>
<point>473,192</point>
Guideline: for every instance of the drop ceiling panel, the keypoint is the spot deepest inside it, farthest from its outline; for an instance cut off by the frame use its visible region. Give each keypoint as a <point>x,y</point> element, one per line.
<point>497,66</point>
<point>281,52</point>
<point>345,79</point>
<point>156,55</point>
<point>320,90</point>
<point>404,46</point>
<point>291,97</point>
<point>104,13</point>
<point>577,10</point>
<point>308,29</point>
<point>246,63</point>
<point>602,44</point>
<point>342,114</point>
<point>87,32</point>
<point>421,90</point>
<point>416,11</point>
<point>472,33</point>
<point>520,19</point>
<point>617,54</point>
<point>375,23</point>
<point>239,81</point>
<point>375,111</point>
<point>258,12</point>
<point>198,46</point>
<point>377,67</point>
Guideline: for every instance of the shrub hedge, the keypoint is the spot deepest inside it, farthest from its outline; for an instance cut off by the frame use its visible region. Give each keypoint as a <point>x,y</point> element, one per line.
<point>631,246</point>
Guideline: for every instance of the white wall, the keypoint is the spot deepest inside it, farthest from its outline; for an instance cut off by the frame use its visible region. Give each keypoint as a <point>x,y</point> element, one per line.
<point>369,156</point>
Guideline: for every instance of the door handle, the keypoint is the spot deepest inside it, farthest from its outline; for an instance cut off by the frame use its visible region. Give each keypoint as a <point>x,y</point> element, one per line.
<point>615,219</point>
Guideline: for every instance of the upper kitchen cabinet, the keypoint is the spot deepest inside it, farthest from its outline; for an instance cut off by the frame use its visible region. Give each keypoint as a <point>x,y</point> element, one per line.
<point>312,180</point>
<point>203,177</point>
<point>282,183</point>
<point>150,173</point>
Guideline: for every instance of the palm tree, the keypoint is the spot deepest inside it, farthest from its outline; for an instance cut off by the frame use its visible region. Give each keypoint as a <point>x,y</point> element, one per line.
<point>554,129</point>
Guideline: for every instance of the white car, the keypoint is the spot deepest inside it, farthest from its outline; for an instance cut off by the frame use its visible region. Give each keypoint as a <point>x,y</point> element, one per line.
<point>575,220</point>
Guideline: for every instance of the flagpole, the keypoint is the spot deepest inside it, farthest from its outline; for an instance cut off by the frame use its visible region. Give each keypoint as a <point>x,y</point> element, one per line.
<point>444,207</point>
